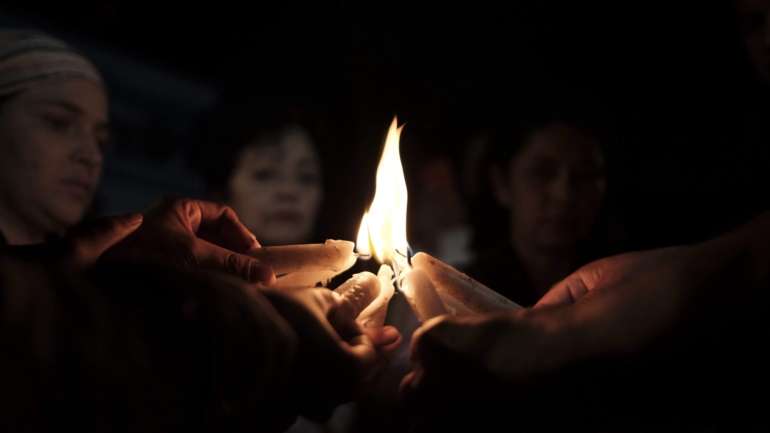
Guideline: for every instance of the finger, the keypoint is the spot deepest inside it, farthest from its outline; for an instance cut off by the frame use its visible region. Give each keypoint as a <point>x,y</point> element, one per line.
<point>210,256</point>
<point>444,338</point>
<point>90,241</point>
<point>365,355</point>
<point>386,339</point>
<point>566,292</point>
<point>220,225</point>
<point>409,381</point>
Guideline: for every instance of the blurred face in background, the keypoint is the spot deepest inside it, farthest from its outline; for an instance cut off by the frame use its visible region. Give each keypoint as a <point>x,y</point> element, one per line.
<point>754,23</point>
<point>51,138</point>
<point>276,187</point>
<point>554,187</point>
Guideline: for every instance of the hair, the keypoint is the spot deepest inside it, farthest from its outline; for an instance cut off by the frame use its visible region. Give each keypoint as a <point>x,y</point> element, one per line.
<point>235,125</point>
<point>508,134</point>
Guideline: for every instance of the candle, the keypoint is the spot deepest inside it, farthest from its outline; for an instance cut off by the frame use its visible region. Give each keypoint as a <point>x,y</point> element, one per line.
<point>357,293</point>
<point>421,295</point>
<point>308,265</point>
<point>461,293</point>
<point>374,314</point>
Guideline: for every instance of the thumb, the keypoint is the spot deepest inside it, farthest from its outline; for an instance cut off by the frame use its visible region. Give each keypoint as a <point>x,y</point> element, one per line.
<point>565,292</point>
<point>88,242</point>
<point>214,257</point>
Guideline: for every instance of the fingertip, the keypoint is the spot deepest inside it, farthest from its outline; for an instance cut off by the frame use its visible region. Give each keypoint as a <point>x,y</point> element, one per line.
<point>392,346</point>
<point>134,219</point>
<point>389,335</point>
<point>266,275</point>
<point>260,273</point>
<point>409,382</point>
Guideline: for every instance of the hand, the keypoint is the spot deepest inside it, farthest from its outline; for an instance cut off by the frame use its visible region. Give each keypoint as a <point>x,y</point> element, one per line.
<point>87,242</point>
<point>613,305</point>
<point>83,245</point>
<point>336,357</point>
<point>624,305</point>
<point>194,234</point>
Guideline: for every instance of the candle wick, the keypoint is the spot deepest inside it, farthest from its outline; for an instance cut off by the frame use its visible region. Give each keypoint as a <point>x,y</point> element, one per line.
<point>396,273</point>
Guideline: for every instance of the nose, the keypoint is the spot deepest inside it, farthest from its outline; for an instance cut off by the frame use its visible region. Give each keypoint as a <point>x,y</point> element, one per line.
<point>286,190</point>
<point>560,188</point>
<point>88,153</point>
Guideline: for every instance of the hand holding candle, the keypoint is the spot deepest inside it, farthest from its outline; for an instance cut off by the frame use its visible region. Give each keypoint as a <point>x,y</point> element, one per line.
<point>310,265</point>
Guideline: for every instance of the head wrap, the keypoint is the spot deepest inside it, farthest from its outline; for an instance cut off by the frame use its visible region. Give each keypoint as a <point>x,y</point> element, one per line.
<point>29,57</point>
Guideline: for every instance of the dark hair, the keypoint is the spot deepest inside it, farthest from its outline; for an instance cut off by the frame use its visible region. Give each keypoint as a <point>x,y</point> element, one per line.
<point>233,125</point>
<point>507,134</point>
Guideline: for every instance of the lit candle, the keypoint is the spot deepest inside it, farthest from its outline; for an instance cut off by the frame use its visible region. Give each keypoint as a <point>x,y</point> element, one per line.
<point>421,295</point>
<point>460,293</point>
<point>430,286</point>
<point>382,233</point>
<point>357,293</point>
<point>374,314</point>
<point>308,265</point>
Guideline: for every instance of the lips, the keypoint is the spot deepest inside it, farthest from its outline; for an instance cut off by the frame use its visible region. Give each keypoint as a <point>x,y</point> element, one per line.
<point>285,217</point>
<point>78,186</point>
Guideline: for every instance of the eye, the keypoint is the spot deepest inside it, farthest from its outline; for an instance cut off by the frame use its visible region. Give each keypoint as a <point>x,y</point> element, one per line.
<point>58,122</point>
<point>263,175</point>
<point>309,178</point>
<point>543,171</point>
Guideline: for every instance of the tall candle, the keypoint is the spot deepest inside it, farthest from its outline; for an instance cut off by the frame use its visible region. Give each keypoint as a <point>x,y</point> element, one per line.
<point>308,265</point>
<point>357,293</point>
<point>374,314</point>
<point>421,295</point>
<point>459,291</point>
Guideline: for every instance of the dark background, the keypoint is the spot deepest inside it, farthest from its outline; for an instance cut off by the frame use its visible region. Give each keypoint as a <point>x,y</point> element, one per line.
<point>671,79</point>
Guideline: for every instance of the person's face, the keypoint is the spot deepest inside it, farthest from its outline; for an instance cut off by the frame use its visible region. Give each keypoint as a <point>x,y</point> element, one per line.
<point>276,188</point>
<point>52,136</point>
<point>554,188</point>
<point>754,21</point>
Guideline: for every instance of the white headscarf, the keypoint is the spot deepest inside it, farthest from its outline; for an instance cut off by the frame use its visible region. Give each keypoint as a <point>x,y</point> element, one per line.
<point>28,57</point>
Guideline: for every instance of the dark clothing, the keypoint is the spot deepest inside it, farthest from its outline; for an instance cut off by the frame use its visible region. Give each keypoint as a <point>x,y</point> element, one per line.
<point>138,348</point>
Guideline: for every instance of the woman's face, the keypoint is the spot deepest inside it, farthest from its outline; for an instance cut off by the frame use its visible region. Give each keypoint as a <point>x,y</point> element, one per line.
<point>276,188</point>
<point>51,136</point>
<point>754,22</point>
<point>554,188</point>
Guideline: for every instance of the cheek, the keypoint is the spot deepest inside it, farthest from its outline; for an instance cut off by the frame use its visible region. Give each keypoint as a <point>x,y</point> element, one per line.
<point>591,199</point>
<point>527,197</point>
<point>310,199</point>
<point>30,159</point>
<point>245,189</point>
<point>248,197</point>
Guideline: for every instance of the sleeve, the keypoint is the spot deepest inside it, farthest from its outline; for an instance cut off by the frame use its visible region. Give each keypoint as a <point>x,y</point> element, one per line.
<point>132,348</point>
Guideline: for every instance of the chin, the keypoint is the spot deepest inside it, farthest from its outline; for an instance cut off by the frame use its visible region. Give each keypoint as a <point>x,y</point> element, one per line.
<point>68,216</point>
<point>559,242</point>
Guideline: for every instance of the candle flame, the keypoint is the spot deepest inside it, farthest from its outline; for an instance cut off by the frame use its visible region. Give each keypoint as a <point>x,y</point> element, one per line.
<point>383,226</point>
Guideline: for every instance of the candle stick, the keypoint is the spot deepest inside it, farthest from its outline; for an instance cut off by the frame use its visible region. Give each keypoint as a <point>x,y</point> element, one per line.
<point>460,292</point>
<point>301,266</point>
<point>374,315</point>
<point>357,293</point>
<point>419,291</point>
